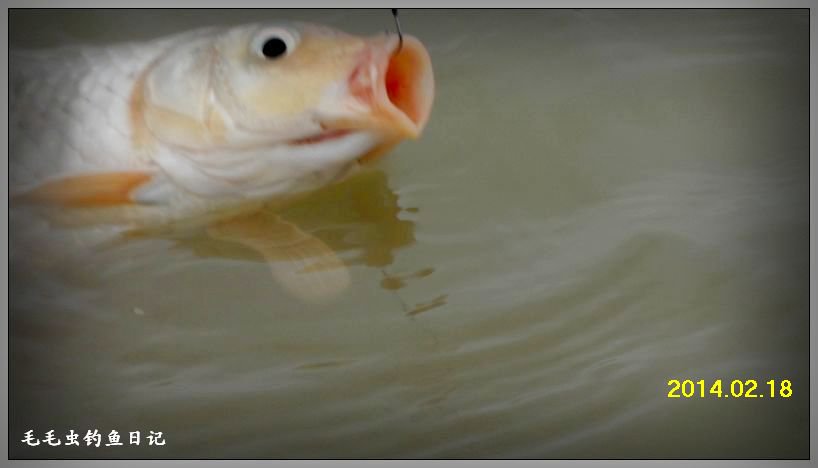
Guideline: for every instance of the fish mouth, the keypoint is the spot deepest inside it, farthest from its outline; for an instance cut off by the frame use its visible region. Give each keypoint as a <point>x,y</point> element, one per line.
<point>390,90</point>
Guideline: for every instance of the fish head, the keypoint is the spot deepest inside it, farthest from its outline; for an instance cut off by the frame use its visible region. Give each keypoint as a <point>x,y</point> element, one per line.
<point>305,93</point>
<point>302,77</point>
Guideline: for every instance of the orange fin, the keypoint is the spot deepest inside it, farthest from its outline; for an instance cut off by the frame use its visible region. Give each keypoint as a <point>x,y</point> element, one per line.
<point>300,262</point>
<point>87,191</point>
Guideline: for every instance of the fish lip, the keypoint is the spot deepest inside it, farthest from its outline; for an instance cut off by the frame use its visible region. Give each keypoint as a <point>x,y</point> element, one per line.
<point>391,87</point>
<point>408,52</point>
<point>404,89</point>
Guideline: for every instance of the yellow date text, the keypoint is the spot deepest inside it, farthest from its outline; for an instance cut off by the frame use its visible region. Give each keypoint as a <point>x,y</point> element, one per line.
<point>737,388</point>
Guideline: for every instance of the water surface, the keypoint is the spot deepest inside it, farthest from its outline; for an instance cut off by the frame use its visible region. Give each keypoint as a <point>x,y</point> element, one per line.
<point>603,200</point>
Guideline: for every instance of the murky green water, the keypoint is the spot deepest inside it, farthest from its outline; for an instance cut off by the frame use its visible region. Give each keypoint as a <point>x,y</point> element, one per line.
<point>603,201</point>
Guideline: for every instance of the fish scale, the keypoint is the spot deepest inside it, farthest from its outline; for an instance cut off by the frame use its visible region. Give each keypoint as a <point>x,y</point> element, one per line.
<point>71,114</point>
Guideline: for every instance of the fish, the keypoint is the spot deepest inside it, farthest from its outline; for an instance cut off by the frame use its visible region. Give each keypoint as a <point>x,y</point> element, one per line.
<point>212,122</point>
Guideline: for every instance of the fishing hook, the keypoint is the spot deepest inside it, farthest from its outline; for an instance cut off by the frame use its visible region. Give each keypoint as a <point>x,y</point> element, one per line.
<point>397,25</point>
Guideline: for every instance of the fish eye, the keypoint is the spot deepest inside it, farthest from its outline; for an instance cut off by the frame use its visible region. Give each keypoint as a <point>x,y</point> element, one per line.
<point>274,47</point>
<point>274,43</point>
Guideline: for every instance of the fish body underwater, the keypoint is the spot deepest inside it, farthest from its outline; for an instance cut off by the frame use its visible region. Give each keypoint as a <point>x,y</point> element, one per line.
<point>206,122</point>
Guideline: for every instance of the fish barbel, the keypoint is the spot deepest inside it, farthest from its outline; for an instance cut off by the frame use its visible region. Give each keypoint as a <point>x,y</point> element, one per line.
<point>210,118</point>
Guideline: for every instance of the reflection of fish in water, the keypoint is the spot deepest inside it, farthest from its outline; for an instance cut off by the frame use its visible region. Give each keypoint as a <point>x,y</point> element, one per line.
<point>358,217</point>
<point>210,121</point>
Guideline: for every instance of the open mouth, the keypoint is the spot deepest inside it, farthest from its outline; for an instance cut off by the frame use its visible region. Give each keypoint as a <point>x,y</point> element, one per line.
<point>392,90</point>
<point>408,82</point>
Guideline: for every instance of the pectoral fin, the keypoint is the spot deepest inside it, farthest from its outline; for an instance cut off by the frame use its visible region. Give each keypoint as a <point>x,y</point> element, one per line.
<point>302,263</point>
<point>87,190</point>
